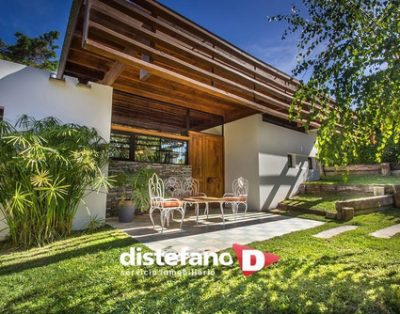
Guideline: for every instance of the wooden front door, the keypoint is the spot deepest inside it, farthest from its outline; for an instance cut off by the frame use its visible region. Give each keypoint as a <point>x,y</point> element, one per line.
<point>206,156</point>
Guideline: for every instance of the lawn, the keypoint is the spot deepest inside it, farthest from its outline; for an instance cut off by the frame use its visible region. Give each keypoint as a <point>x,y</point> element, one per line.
<point>352,273</point>
<point>357,179</point>
<point>325,202</point>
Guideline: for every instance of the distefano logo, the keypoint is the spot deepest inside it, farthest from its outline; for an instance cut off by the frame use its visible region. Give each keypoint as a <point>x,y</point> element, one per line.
<point>250,260</point>
<point>136,257</point>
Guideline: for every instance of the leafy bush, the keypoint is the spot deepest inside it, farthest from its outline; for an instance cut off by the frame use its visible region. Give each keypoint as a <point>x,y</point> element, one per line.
<point>140,189</point>
<point>46,168</point>
<point>138,184</point>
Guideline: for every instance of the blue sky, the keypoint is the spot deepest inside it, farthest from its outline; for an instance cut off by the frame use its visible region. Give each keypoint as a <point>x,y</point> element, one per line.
<point>242,22</point>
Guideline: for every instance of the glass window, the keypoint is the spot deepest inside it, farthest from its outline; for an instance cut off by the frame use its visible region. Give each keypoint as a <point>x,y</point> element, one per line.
<point>144,148</point>
<point>173,151</point>
<point>120,146</point>
<point>147,148</point>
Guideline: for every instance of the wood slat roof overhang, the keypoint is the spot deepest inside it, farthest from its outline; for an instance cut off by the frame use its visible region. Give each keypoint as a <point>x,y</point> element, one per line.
<point>152,56</point>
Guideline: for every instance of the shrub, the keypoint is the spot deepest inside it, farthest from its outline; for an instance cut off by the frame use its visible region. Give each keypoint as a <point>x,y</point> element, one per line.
<point>46,168</point>
<point>138,182</point>
<point>140,189</point>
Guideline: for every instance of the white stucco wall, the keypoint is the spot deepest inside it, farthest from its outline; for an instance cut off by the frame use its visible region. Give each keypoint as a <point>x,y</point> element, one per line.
<point>25,90</point>
<point>214,131</point>
<point>258,151</point>
<point>241,157</point>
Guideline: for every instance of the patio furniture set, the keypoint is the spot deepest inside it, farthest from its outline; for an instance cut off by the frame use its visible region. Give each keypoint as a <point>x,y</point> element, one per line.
<point>186,193</point>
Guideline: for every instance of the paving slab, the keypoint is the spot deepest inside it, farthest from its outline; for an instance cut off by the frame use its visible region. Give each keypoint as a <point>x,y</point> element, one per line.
<point>222,239</point>
<point>211,234</point>
<point>386,233</point>
<point>334,232</point>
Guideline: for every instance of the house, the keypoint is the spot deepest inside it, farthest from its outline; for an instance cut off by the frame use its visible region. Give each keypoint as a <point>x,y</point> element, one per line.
<point>169,95</point>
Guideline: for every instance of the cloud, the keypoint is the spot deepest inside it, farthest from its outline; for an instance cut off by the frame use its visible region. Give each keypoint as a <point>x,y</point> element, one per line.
<point>282,55</point>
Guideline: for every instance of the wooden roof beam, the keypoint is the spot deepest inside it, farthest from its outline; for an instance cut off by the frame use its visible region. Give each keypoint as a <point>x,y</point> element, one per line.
<point>122,57</point>
<point>125,19</point>
<point>117,68</point>
<point>180,35</point>
<point>187,102</point>
<point>72,22</point>
<point>129,129</point>
<point>173,60</point>
<point>111,76</point>
<point>143,74</point>
<point>168,14</point>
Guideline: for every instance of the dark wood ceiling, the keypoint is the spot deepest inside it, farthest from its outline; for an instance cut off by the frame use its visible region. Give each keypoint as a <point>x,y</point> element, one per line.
<point>138,111</point>
<point>161,64</point>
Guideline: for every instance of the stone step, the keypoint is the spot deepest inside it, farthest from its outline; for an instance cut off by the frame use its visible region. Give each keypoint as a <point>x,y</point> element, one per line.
<point>334,232</point>
<point>386,233</point>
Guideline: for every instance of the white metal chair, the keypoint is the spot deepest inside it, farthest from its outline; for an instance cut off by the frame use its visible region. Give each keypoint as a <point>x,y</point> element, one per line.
<point>240,190</point>
<point>173,186</point>
<point>166,206</point>
<point>191,188</point>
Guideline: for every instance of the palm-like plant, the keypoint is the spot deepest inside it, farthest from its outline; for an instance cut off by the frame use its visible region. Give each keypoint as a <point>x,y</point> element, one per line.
<point>140,188</point>
<point>46,168</point>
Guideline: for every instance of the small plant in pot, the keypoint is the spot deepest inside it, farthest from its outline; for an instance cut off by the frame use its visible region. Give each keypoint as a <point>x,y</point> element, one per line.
<point>138,200</point>
<point>126,207</point>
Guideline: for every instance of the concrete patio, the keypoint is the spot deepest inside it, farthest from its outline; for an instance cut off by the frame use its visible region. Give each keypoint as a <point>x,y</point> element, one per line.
<point>211,234</point>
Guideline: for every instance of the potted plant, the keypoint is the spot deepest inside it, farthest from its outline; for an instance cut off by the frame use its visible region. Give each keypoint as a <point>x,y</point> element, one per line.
<point>126,206</point>
<point>139,200</point>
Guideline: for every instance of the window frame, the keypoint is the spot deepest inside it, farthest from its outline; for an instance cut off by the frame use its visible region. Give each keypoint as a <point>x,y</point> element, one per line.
<point>132,148</point>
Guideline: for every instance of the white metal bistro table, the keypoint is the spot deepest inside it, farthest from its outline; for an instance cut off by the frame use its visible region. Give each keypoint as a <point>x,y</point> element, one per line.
<point>206,200</point>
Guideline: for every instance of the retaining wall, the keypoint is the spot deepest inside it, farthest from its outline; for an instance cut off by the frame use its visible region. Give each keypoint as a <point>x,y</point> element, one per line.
<point>369,203</point>
<point>364,169</point>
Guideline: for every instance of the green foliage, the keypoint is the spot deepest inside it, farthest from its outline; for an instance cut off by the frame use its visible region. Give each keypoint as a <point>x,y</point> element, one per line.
<point>122,180</point>
<point>95,223</point>
<point>37,52</point>
<point>140,188</point>
<point>349,273</point>
<point>352,49</point>
<point>45,170</point>
<point>138,182</point>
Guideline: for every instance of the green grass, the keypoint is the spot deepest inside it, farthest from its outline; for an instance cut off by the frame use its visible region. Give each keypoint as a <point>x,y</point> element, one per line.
<point>357,179</point>
<point>351,273</point>
<point>325,202</point>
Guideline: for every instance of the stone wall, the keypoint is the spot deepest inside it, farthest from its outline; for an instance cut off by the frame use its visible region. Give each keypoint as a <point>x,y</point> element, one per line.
<point>368,203</point>
<point>363,169</point>
<point>163,170</point>
<point>376,189</point>
<point>315,188</point>
<point>371,169</point>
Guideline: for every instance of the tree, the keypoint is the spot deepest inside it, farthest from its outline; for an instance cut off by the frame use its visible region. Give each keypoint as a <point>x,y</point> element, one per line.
<point>38,52</point>
<point>352,48</point>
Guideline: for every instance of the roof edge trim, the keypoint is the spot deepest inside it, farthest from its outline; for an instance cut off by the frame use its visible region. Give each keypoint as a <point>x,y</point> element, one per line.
<point>73,18</point>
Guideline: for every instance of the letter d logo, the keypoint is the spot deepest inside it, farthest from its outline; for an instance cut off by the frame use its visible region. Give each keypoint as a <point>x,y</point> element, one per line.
<point>251,260</point>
